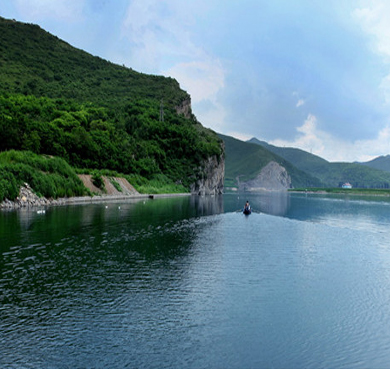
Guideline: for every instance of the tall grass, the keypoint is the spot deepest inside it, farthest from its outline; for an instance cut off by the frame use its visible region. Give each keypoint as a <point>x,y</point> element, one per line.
<point>157,185</point>
<point>52,177</point>
<point>48,176</point>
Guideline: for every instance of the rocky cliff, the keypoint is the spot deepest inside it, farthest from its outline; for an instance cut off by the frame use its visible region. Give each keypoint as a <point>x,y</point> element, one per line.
<point>28,199</point>
<point>212,179</point>
<point>272,177</point>
<point>213,168</point>
<point>184,108</point>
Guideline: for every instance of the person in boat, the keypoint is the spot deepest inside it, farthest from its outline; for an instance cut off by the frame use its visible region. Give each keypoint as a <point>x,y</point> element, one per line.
<point>247,207</point>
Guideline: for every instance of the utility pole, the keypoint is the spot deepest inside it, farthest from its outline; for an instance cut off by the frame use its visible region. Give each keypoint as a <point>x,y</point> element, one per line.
<point>161,111</point>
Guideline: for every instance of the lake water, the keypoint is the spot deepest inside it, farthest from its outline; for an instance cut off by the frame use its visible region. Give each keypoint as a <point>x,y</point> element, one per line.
<point>191,283</point>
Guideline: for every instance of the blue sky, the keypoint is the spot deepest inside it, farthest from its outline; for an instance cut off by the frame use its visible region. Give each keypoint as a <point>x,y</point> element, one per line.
<point>308,74</point>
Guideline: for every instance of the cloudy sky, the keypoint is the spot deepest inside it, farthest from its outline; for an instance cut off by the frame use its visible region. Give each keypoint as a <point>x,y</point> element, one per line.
<point>312,74</point>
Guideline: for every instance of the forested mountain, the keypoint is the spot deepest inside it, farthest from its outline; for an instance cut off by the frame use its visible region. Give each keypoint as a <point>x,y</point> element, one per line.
<point>34,62</point>
<point>59,100</point>
<point>246,160</point>
<point>330,174</point>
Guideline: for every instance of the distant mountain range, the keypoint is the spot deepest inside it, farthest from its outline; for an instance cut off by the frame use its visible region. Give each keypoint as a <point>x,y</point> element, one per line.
<point>245,160</point>
<point>381,163</point>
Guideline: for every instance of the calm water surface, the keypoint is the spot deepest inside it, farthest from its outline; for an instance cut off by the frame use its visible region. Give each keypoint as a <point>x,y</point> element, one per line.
<point>191,283</point>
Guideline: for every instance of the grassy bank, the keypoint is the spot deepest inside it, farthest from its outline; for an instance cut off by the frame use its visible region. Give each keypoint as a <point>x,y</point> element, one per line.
<point>53,177</point>
<point>50,177</point>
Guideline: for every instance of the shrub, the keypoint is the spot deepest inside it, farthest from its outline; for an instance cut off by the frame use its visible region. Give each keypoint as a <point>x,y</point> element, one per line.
<point>116,184</point>
<point>9,188</point>
<point>48,176</point>
<point>97,180</point>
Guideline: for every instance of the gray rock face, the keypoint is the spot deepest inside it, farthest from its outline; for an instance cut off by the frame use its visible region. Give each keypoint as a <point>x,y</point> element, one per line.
<point>213,177</point>
<point>27,199</point>
<point>272,177</point>
<point>213,168</point>
<point>184,108</point>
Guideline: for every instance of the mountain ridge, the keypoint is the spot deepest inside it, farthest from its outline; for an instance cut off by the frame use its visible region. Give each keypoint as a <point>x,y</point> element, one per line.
<point>331,174</point>
<point>245,161</point>
<point>381,162</point>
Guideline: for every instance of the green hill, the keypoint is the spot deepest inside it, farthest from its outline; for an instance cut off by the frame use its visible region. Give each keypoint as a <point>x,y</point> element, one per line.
<point>49,176</point>
<point>61,101</point>
<point>299,158</point>
<point>381,163</point>
<point>245,160</point>
<point>331,174</point>
<point>32,61</point>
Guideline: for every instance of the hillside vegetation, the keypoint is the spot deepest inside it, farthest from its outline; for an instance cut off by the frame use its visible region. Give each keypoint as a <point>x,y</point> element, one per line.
<point>60,101</point>
<point>32,61</point>
<point>299,158</point>
<point>244,161</point>
<point>381,163</point>
<point>49,176</point>
<point>331,174</point>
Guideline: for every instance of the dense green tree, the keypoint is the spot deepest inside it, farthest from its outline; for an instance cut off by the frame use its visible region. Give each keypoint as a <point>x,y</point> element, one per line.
<point>59,100</point>
<point>91,137</point>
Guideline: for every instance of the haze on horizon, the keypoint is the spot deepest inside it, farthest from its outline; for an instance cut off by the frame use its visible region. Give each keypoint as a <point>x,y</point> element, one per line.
<point>311,75</point>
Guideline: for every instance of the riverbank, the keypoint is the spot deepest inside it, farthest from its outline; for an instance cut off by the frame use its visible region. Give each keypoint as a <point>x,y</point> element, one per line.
<point>28,199</point>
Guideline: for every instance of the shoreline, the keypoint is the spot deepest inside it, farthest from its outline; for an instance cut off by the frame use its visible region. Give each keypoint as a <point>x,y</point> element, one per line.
<point>29,200</point>
<point>107,198</point>
<point>352,193</point>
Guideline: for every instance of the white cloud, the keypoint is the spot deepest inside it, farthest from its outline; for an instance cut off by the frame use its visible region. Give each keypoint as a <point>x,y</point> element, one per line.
<point>159,32</point>
<point>162,42</point>
<point>202,79</point>
<point>300,101</point>
<point>375,147</point>
<point>213,118</point>
<point>239,136</point>
<point>63,10</point>
<point>311,139</point>
<point>374,20</point>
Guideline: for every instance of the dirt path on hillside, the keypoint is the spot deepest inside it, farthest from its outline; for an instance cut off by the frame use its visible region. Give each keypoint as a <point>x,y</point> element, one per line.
<point>126,187</point>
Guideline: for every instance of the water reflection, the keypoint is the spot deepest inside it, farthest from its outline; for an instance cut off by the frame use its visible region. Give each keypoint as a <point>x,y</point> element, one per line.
<point>207,205</point>
<point>353,212</point>
<point>275,203</point>
<point>74,245</point>
<point>83,278</point>
<point>175,283</point>
<point>357,212</point>
<point>26,225</point>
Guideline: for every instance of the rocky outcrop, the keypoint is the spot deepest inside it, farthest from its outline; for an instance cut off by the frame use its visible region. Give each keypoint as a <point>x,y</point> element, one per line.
<point>212,170</point>
<point>273,177</point>
<point>184,108</point>
<point>27,198</point>
<point>211,181</point>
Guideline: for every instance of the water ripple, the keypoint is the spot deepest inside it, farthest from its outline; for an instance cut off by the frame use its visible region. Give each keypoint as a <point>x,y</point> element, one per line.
<point>221,290</point>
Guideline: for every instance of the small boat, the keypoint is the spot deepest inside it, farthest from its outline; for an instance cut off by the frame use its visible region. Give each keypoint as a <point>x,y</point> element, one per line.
<point>247,211</point>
